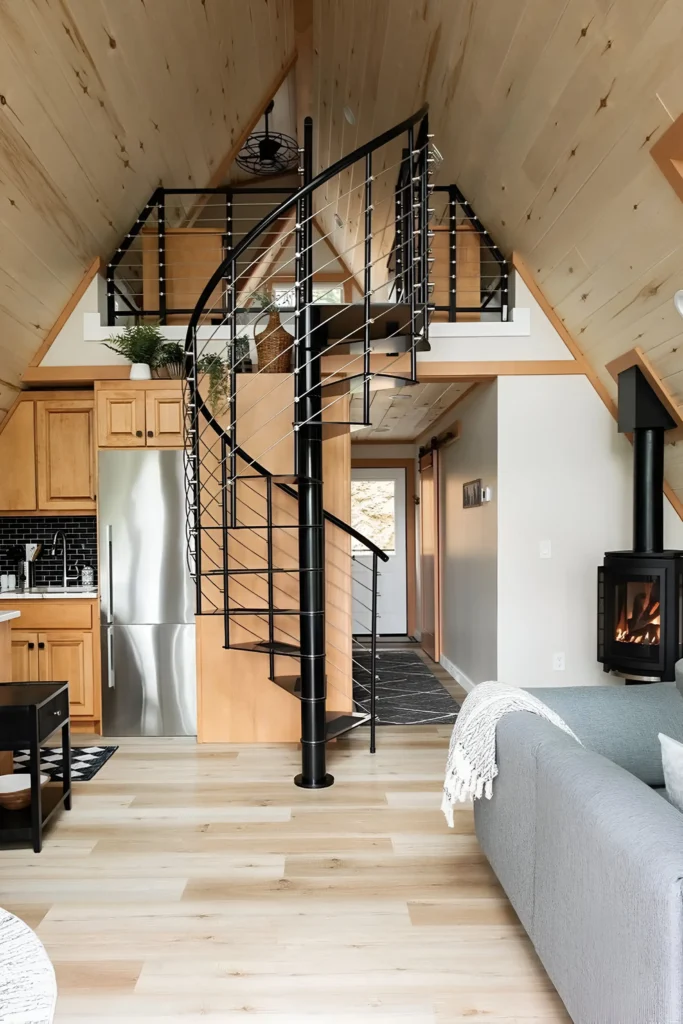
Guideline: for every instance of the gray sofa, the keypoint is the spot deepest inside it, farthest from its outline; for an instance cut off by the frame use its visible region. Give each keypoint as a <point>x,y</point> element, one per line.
<point>589,850</point>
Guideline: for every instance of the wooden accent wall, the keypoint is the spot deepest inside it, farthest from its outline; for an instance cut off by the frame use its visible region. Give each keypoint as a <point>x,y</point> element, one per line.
<point>467,271</point>
<point>236,700</point>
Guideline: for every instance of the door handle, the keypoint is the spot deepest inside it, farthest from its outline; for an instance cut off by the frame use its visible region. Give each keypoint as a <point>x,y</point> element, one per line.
<point>110,566</point>
<point>111,678</point>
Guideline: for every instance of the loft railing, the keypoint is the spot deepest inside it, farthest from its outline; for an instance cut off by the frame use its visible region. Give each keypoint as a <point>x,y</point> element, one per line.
<point>176,243</point>
<point>468,274</point>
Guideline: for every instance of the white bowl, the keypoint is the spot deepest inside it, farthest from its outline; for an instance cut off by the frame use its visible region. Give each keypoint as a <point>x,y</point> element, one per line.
<point>15,790</point>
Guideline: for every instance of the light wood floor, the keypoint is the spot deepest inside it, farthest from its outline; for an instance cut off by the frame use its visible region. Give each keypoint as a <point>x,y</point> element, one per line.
<point>193,884</point>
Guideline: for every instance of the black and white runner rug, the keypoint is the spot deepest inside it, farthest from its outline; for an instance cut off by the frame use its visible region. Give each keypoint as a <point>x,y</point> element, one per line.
<point>407,692</point>
<point>85,761</point>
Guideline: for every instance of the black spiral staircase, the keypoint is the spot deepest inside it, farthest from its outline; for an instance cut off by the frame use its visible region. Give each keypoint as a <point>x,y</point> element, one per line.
<point>229,489</point>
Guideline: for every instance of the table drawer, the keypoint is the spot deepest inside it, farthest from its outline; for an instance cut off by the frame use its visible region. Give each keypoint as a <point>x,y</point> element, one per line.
<point>52,614</point>
<point>53,714</point>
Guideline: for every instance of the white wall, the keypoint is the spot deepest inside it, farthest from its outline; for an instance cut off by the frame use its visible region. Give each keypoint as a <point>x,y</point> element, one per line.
<point>565,476</point>
<point>469,542</point>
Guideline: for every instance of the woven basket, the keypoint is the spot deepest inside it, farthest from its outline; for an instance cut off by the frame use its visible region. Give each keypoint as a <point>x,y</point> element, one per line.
<point>274,346</point>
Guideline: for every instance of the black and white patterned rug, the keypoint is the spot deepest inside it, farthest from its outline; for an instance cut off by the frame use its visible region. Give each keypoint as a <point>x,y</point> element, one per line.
<point>407,692</point>
<point>85,761</point>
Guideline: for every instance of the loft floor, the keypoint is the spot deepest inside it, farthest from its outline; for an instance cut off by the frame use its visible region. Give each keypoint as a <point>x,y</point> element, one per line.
<point>197,884</point>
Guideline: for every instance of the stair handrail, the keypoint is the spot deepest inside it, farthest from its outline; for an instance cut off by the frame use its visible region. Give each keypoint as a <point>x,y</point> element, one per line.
<point>320,179</point>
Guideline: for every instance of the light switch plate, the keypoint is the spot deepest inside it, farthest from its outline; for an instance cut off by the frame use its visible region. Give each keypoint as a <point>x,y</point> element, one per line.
<point>544,548</point>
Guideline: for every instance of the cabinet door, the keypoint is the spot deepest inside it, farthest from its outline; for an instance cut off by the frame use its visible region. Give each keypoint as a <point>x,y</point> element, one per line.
<point>67,655</point>
<point>65,449</point>
<point>121,419</point>
<point>164,418</point>
<point>18,460</point>
<point>24,656</point>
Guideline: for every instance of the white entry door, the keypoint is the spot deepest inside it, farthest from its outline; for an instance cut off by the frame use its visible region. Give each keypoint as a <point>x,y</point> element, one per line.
<point>378,510</point>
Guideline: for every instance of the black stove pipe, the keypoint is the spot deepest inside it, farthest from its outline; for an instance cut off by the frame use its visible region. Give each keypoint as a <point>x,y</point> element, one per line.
<point>648,494</point>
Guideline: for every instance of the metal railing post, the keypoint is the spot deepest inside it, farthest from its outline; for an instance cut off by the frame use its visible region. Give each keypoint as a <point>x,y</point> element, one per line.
<point>161,237</point>
<point>309,442</point>
<point>411,247</point>
<point>225,540</point>
<point>367,286</point>
<point>452,255</point>
<point>373,655</point>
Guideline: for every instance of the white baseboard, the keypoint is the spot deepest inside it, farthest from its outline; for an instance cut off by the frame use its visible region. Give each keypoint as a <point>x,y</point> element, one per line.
<point>457,674</point>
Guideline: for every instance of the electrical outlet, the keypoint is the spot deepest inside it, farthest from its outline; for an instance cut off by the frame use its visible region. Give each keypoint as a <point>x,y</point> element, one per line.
<point>558,661</point>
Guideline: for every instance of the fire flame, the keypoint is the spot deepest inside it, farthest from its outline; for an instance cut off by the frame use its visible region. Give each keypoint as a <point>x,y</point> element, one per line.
<point>640,624</point>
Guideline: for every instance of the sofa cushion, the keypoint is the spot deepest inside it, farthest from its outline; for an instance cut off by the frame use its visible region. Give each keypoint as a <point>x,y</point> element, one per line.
<point>621,722</point>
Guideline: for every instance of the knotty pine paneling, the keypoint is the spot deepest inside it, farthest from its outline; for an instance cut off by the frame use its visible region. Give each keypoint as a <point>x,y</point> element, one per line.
<point>102,100</point>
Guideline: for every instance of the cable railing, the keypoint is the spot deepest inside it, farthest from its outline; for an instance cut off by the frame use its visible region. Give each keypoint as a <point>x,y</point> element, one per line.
<point>249,548</point>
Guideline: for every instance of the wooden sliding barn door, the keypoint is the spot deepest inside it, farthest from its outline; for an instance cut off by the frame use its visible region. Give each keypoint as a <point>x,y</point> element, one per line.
<point>429,554</point>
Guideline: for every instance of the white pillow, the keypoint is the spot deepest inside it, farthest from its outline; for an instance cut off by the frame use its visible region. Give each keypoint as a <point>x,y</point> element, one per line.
<point>672,763</point>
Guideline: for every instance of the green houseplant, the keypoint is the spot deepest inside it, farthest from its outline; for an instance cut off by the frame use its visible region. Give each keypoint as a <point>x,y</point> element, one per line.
<point>141,344</point>
<point>219,381</point>
<point>171,361</point>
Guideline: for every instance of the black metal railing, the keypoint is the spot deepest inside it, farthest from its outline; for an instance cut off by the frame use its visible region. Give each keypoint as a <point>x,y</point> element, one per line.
<point>229,487</point>
<point>175,244</point>
<point>469,276</point>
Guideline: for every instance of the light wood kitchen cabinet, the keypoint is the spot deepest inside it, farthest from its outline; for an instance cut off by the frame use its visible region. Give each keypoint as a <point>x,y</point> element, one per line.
<point>164,418</point>
<point>121,419</point>
<point>18,460</point>
<point>57,655</point>
<point>139,414</point>
<point>59,640</point>
<point>65,454</point>
<point>24,656</point>
<point>67,654</point>
<point>47,454</point>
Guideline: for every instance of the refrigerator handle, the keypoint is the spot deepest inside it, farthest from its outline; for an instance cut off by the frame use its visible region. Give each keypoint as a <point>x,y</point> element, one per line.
<point>110,573</point>
<point>111,677</point>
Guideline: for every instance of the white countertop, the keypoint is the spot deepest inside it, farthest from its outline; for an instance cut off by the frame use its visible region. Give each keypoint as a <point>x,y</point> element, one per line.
<point>6,616</point>
<point>38,593</point>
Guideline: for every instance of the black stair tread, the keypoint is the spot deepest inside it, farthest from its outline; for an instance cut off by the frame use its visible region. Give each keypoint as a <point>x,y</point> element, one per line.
<point>292,684</point>
<point>256,572</point>
<point>265,647</point>
<point>263,611</point>
<point>289,478</point>
<point>263,526</point>
<point>337,723</point>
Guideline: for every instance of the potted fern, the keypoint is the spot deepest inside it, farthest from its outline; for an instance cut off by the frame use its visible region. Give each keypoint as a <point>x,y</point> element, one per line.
<point>141,344</point>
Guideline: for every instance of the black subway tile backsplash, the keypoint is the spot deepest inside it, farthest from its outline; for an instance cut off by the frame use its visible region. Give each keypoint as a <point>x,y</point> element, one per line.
<point>81,544</point>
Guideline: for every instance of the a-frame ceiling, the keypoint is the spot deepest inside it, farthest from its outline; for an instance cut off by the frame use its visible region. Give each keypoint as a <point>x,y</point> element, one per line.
<point>100,102</point>
<point>545,112</point>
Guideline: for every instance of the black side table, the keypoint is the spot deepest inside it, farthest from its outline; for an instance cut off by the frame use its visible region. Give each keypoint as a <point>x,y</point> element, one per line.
<point>29,714</point>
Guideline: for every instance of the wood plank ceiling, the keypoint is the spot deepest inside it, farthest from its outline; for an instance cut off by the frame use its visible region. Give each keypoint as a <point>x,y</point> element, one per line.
<point>100,102</point>
<point>545,112</point>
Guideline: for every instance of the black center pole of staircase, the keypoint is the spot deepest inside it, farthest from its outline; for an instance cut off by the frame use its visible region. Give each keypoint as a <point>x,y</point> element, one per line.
<point>309,443</point>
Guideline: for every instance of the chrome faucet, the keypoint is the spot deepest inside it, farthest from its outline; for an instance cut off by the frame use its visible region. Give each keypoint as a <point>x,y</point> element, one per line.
<point>60,533</point>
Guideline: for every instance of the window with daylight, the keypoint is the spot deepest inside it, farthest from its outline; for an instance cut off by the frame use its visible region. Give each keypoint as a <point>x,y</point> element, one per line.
<point>373,513</point>
<point>325,294</point>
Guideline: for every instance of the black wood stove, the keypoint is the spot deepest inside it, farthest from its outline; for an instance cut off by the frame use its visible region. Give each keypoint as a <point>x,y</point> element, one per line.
<point>640,592</point>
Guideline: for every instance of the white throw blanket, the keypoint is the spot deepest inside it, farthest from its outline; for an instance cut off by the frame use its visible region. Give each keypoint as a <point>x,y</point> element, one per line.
<point>471,766</point>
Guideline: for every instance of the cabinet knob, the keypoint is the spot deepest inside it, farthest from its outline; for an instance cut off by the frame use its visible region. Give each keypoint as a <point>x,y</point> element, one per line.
<point>138,433</point>
<point>41,646</point>
<point>150,433</point>
<point>31,646</point>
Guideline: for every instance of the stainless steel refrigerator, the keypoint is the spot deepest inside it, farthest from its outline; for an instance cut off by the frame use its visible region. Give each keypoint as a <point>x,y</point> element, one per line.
<point>147,603</point>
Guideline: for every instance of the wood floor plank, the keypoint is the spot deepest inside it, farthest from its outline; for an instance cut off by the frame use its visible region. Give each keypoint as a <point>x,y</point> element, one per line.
<point>197,884</point>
